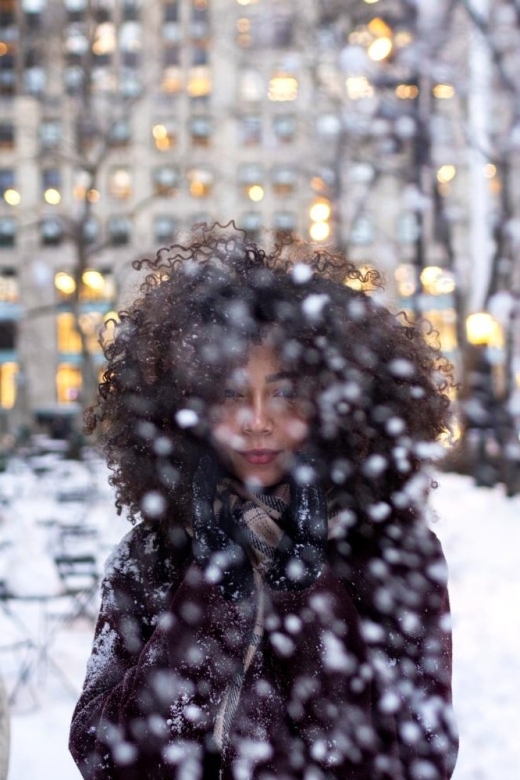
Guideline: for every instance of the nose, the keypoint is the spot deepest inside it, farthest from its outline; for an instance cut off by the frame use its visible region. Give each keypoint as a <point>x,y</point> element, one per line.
<point>257,417</point>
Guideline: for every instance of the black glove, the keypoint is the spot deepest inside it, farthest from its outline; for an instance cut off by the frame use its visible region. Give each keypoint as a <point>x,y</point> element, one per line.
<point>217,546</point>
<point>300,555</point>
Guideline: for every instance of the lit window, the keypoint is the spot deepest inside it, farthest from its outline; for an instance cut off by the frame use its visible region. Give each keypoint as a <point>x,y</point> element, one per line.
<point>444,322</point>
<point>69,341</point>
<point>406,280</point>
<point>8,228</point>
<point>166,181</point>
<point>359,87</point>
<point>172,79</point>
<point>250,179</point>
<point>164,135</point>
<point>68,383</point>
<point>200,181</point>
<point>7,180</point>
<point>51,186</point>
<point>164,228</point>
<point>251,88</point>
<point>199,81</point>
<point>9,288</point>
<point>437,281</point>
<point>120,183</point>
<point>362,231</point>
<point>65,284</point>
<point>51,232</point>
<point>250,130</point>
<point>97,285</point>
<point>284,127</point>
<point>200,130</point>
<point>284,179</point>
<point>283,87</point>
<point>8,373</point>
<point>6,135</point>
<point>119,230</point>
<point>130,42</point>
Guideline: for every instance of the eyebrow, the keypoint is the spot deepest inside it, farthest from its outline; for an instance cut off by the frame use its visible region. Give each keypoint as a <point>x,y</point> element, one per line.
<point>279,376</point>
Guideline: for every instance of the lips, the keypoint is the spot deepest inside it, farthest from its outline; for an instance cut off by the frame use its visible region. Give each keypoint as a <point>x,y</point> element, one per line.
<point>260,457</point>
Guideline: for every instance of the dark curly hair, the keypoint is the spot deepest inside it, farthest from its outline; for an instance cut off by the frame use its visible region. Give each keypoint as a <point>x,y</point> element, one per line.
<point>377,390</point>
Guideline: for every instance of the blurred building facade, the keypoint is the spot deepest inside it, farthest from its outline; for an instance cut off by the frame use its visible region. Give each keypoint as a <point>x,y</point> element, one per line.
<point>123,122</point>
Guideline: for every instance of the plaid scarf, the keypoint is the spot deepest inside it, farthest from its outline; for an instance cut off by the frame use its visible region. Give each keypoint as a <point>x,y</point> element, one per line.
<point>260,518</point>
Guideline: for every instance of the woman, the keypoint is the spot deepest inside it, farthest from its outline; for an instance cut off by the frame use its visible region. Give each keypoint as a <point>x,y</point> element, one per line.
<point>281,609</point>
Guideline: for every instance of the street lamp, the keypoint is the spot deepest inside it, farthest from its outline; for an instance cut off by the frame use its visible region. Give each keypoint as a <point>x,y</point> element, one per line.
<point>482,407</point>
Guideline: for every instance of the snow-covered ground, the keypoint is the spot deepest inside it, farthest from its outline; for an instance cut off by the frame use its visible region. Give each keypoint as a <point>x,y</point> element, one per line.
<point>480,530</point>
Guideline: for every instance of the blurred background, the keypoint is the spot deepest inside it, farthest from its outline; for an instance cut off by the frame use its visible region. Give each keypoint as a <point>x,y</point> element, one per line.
<point>387,129</point>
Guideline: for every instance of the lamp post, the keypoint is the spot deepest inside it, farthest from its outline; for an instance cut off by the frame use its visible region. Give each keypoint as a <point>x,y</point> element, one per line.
<point>481,408</point>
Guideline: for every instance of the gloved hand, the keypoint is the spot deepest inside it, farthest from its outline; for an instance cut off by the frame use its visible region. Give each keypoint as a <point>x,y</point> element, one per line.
<point>300,555</point>
<point>217,544</point>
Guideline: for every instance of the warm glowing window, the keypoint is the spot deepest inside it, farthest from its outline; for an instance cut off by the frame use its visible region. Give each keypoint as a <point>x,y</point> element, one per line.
<point>9,289</point>
<point>68,338</point>
<point>172,79</point>
<point>283,87</point>
<point>68,383</point>
<point>120,183</point>
<point>250,179</point>
<point>8,372</point>
<point>199,81</point>
<point>164,135</point>
<point>200,181</point>
<point>51,186</point>
<point>444,322</point>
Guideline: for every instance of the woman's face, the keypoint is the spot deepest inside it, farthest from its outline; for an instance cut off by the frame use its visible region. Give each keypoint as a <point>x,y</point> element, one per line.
<point>260,421</point>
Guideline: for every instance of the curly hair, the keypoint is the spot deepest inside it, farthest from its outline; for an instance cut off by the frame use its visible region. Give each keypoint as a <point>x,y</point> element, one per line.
<point>377,390</point>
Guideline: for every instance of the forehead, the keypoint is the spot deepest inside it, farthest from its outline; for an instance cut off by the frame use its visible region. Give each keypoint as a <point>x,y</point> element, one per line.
<point>262,363</point>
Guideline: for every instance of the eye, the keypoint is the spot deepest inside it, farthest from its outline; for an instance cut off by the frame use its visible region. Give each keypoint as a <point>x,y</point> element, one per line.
<point>231,392</point>
<point>288,391</point>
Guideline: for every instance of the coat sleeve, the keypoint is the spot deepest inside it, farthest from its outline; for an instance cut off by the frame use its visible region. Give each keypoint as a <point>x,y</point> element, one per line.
<point>129,638</point>
<point>401,592</point>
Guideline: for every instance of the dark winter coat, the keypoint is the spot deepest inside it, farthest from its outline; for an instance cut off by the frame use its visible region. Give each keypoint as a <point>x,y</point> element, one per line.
<point>352,680</point>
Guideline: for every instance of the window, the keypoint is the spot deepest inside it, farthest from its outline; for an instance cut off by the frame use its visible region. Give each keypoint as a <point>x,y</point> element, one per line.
<point>9,288</point>
<point>164,134</point>
<point>34,80</point>
<point>7,335</point>
<point>51,186</point>
<point>362,231</point>
<point>119,133</point>
<point>408,229</point>
<point>200,130</point>
<point>282,87</point>
<point>97,285</point>
<point>171,11</point>
<point>69,341</point>
<point>130,10</point>
<point>120,183</point>
<point>250,179</point>
<point>119,230</point>
<point>284,222</point>
<point>8,373</point>
<point>6,135</point>
<point>50,133</point>
<point>166,181</point>
<point>250,130</point>
<point>68,383</point>
<point>7,69</point>
<point>199,81</point>
<point>73,80</point>
<point>251,88</point>
<point>200,182</point>
<point>251,222</point>
<point>7,180</point>
<point>328,125</point>
<point>164,228</point>
<point>51,232</point>
<point>284,128</point>
<point>268,28</point>
<point>284,179</point>
<point>8,228</point>
<point>91,230</point>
